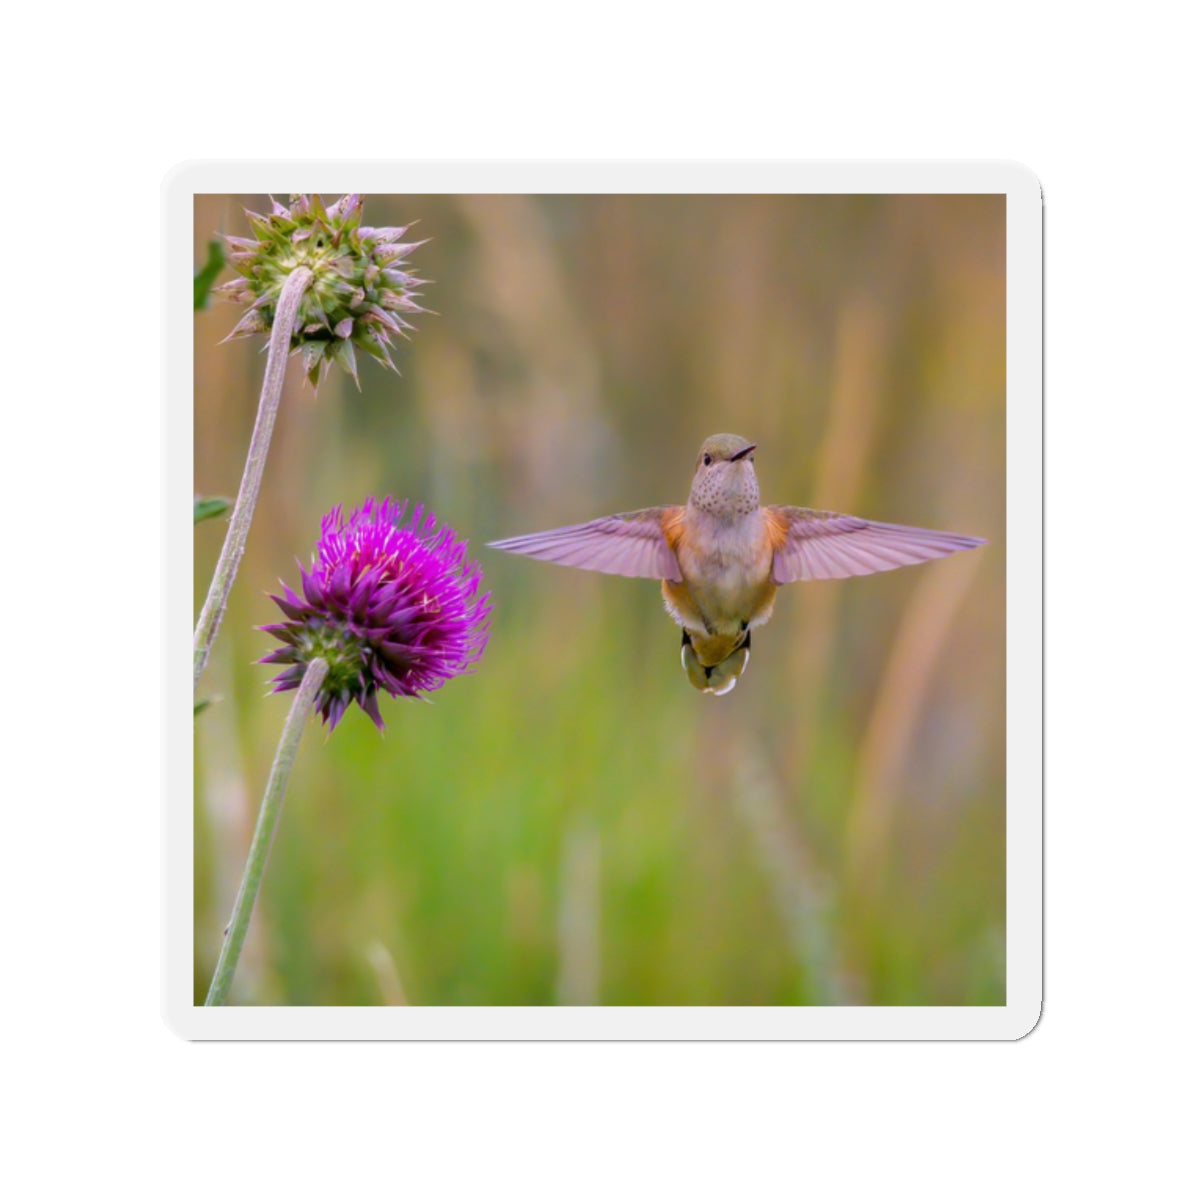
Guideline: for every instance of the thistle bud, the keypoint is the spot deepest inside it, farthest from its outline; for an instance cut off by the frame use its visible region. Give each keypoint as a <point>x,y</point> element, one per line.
<point>359,283</point>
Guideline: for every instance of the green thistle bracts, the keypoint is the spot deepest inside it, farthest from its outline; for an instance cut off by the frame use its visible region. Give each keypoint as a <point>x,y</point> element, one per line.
<point>359,291</point>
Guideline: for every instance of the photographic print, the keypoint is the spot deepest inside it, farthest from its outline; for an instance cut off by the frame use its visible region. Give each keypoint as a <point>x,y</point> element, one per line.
<point>603,593</point>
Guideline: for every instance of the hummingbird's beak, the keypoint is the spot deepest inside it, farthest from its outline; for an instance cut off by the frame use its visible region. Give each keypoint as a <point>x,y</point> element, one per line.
<point>742,453</point>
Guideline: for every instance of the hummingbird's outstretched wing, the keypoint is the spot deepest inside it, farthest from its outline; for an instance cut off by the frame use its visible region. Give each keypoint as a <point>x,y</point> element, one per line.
<point>633,543</point>
<point>825,545</point>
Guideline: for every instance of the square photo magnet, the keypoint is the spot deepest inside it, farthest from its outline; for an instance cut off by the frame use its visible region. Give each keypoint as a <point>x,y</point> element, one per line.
<point>615,599</point>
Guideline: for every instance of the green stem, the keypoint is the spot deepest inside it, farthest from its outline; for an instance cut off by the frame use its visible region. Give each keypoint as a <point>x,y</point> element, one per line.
<point>256,459</point>
<point>264,831</point>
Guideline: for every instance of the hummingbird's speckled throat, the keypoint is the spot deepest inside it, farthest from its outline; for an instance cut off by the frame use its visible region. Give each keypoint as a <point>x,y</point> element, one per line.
<point>725,486</point>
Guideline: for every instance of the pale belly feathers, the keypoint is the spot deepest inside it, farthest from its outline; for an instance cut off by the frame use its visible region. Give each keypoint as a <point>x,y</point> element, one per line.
<point>727,585</point>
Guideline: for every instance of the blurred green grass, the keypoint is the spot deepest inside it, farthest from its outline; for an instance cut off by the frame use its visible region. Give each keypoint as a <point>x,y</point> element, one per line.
<point>573,823</point>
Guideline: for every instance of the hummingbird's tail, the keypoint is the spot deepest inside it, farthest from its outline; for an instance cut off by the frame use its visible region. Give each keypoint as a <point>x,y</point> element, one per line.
<point>724,666</point>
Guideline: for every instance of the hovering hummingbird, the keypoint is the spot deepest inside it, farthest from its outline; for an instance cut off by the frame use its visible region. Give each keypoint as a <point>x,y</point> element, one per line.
<point>722,558</point>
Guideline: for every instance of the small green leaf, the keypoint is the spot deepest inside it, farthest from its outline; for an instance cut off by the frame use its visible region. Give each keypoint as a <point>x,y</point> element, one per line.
<point>207,275</point>
<point>204,507</point>
<point>199,707</point>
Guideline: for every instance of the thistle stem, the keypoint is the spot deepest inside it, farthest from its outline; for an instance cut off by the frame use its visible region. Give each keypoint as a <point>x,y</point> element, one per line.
<point>256,459</point>
<point>264,831</point>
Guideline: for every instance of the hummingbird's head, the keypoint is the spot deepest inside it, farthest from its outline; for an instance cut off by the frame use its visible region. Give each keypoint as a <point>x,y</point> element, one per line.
<point>725,484</point>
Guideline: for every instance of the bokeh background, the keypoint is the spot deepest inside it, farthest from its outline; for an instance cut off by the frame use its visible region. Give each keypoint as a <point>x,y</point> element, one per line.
<point>573,823</point>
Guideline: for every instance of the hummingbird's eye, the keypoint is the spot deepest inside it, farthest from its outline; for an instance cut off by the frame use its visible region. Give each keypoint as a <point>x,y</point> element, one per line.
<point>708,460</point>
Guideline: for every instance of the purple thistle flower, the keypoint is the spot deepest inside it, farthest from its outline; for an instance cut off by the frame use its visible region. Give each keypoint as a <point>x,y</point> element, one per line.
<point>391,604</point>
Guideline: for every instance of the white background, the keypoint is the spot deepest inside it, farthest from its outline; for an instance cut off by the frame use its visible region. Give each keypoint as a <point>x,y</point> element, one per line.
<point>1095,1102</point>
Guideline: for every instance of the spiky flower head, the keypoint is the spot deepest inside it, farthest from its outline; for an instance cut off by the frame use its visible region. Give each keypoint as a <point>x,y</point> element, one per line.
<point>359,291</point>
<point>391,604</point>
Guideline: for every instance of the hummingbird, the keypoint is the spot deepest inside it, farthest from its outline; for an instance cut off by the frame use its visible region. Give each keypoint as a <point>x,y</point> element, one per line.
<point>723,556</point>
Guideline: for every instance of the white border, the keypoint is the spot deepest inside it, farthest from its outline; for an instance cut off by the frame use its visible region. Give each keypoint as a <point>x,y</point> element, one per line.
<point>1024,606</point>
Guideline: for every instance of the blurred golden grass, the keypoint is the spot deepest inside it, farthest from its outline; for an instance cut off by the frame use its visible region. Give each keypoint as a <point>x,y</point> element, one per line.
<point>573,823</point>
